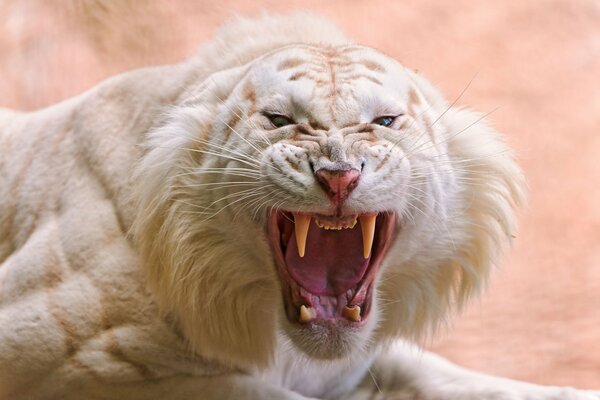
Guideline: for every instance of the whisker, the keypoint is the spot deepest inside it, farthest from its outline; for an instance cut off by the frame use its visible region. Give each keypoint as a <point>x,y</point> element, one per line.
<point>225,171</point>
<point>221,186</point>
<point>423,133</point>
<point>226,197</point>
<point>225,148</point>
<point>446,140</point>
<point>254,164</point>
<point>456,99</point>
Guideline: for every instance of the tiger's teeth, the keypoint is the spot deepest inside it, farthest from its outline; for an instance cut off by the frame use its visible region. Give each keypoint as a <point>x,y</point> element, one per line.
<point>301,224</point>
<point>367,225</point>
<point>307,314</point>
<point>337,226</point>
<point>352,313</point>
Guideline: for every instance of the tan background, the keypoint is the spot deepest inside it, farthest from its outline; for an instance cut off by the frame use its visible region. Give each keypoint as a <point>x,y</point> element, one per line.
<point>538,61</point>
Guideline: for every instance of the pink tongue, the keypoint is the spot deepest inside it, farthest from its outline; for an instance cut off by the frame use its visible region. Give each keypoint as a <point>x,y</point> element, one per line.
<point>333,261</point>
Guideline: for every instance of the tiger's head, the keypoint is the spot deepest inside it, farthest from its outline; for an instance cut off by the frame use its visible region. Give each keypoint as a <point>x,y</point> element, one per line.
<point>326,192</point>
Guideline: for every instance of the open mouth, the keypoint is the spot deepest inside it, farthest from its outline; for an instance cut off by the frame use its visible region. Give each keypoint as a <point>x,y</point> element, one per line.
<point>327,264</point>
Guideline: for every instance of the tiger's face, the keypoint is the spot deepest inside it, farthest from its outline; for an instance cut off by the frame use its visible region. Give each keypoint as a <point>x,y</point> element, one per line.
<point>349,154</point>
<point>325,192</point>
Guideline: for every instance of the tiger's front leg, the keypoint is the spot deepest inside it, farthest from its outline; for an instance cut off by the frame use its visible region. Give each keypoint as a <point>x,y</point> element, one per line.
<point>408,373</point>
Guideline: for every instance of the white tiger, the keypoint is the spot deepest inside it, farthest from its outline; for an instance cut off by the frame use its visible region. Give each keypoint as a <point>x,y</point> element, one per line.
<point>300,207</point>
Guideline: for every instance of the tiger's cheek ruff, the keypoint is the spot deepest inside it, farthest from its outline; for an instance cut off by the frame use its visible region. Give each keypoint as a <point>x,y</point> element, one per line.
<point>192,263</point>
<point>465,241</point>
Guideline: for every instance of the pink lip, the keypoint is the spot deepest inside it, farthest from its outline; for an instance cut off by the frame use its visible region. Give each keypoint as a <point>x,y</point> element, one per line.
<point>333,275</point>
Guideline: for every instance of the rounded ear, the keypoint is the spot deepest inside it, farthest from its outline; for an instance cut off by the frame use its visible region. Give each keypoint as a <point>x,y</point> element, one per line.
<point>193,269</point>
<point>481,221</point>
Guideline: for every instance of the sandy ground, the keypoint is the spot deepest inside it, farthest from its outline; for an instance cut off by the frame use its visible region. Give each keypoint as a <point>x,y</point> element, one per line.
<point>536,63</point>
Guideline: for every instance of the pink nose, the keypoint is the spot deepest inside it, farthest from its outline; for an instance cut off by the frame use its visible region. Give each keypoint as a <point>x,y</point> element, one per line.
<point>338,184</point>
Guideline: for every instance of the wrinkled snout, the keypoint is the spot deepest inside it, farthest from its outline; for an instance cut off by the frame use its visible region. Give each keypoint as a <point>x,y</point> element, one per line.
<point>338,184</point>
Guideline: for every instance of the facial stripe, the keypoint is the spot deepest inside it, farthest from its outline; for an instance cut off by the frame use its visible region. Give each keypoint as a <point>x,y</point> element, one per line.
<point>331,70</point>
<point>290,63</point>
<point>316,125</point>
<point>197,146</point>
<point>372,65</point>
<point>351,49</point>
<point>299,75</point>
<point>413,98</point>
<point>304,132</point>
<point>249,94</point>
<point>355,77</point>
<point>234,119</point>
<point>414,102</point>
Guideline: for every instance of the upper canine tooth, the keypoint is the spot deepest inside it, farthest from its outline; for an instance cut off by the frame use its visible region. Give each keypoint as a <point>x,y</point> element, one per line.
<point>367,225</point>
<point>301,224</point>
<point>352,313</point>
<point>307,313</point>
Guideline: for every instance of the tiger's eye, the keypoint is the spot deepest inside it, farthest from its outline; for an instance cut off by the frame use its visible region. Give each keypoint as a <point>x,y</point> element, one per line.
<point>279,121</point>
<point>383,121</point>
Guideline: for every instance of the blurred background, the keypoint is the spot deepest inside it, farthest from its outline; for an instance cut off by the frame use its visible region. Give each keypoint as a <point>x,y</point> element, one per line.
<point>536,61</point>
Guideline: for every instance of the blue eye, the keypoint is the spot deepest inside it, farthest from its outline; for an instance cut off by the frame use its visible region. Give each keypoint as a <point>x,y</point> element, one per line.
<point>279,121</point>
<point>383,121</point>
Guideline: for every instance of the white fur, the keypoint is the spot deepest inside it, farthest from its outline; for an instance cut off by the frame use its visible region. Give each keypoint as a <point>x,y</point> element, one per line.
<point>177,156</point>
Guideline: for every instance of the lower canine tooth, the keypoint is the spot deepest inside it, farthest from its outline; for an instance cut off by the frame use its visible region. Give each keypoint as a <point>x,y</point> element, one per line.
<point>301,224</point>
<point>352,313</point>
<point>367,225</point>
<point>307,313</point>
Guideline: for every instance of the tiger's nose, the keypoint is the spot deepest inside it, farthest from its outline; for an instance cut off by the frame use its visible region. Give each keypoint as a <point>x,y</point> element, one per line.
<point>338,184</point>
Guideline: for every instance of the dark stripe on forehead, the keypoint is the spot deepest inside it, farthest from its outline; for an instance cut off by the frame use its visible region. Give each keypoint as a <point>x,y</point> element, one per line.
<point>290,63</point>
<point>299,75</point>
<point>351,49</point>
<point>307,75</point>
<point>341,63</point>
<point>372,65</point>
<point>362,76</point>
<point>328,51</point>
